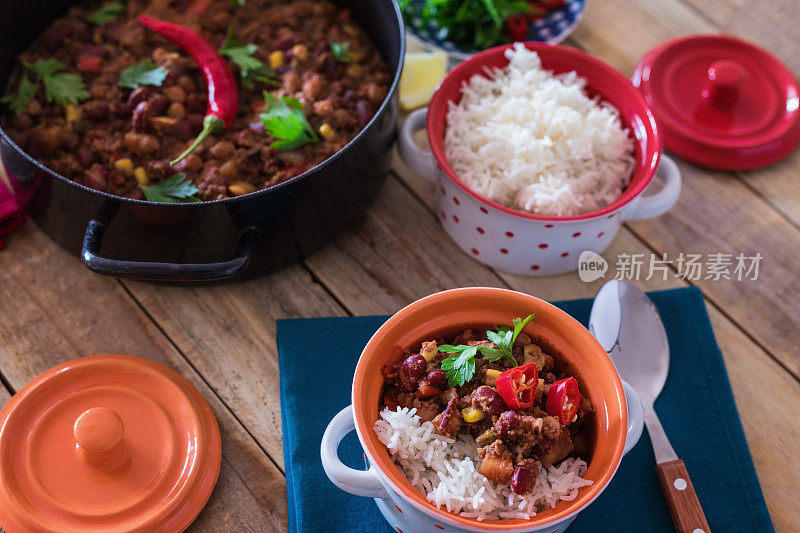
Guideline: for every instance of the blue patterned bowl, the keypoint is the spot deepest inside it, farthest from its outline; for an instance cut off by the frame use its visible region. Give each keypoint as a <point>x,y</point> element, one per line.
<point>551,29</point>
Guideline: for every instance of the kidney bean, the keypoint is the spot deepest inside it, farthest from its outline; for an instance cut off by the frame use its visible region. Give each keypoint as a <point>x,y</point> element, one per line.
<point>94,51</point>
<point>195,120</point>
<point>176,110</point>
<point>490,400</point>
<point>141,117</point>
<point>96,110</point>
<point>96,177</point>
<point>137,96</point>
<point>195,104</point>
<point>363,112</point>
<point>222,150</point>
<point>412,370</point>
<point>521,480</point>
<point>437,378</point>
<point>191,163</point>
<point>118,109</point>
<point>171,78</point>
<point>70,141</point>
<point>158,169</point>
<point>256,126</point>
<point>285,43</point>
<point>85,155</point>
<point>131,139</point>
<point>158,105</point>
<point>183,131</point>
<point>509,421</point>
<point>136,194</point>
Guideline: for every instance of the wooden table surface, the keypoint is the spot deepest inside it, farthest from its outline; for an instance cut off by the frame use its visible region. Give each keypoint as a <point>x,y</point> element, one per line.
<point>222,337</point>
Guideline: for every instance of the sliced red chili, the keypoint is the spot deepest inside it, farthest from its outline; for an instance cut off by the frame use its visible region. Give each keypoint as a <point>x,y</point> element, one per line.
<point>517,386</point>
<point>563,399</point>
<point>223,95</point>
<point>517,27</point>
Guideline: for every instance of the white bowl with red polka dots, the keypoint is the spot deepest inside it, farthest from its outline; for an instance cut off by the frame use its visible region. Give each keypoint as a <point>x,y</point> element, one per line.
<point>520,242</point>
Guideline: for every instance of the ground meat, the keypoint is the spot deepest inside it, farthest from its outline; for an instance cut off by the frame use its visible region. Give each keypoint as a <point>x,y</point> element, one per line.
<point>156,123</point>
<point>448,423</point>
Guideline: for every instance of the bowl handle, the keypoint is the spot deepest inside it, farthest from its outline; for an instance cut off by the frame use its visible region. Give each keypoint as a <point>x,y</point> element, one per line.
<point>635,417</point>
<point>420,161</point>
<point>358,482</point>
<point>659,203</point>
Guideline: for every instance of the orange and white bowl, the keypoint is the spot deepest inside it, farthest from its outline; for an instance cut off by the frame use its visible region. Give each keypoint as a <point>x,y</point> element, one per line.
<point>616,426</point>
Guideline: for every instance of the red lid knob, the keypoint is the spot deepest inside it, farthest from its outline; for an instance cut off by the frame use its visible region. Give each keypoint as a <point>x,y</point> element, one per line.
<point>725,77</point>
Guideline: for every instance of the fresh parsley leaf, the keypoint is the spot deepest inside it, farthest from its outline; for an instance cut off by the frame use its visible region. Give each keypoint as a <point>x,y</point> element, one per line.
<point>341,51</point>
<point>237,3</point>
<point>460,368</point>
<point>145,73</point>
<point>60,87</point>
<point>107,12</point>
<point>285,120</point>
<point>174,190</point>
<point>20,98</point>
<point>519,323</point>
<point>251,68</point>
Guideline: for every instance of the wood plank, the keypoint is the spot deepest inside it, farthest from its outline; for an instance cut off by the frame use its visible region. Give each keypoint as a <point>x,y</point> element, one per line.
<point>767,308</point>
<point>228,332</point>
<point>53,310</point>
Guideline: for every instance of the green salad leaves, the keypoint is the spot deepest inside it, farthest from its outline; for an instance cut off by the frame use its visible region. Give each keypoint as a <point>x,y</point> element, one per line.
<point>63,88</point>
<point>107,12</point>
<point>461,367</point>
<point>341,51</point>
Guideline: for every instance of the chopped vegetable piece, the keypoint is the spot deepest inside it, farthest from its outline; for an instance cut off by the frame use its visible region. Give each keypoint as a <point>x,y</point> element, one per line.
<point>145,73</point>
<point>17,100</point>
<point>107,12</point>
<point>285,120</point>
<point>59,87</point>
<point>175,189</point>
<point>472,414</point>
<point>563,400</point>
<point>250,68</point>
<point>341,51</point>
<point>517,386</point>
<point>491,376</point>
<point>486,438</point>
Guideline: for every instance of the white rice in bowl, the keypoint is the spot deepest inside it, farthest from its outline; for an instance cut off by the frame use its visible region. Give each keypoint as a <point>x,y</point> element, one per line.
<point>532,140</point>
<point>446,471</point>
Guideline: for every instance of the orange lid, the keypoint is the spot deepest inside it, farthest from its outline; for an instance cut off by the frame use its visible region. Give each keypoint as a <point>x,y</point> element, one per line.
<point>106,443</point>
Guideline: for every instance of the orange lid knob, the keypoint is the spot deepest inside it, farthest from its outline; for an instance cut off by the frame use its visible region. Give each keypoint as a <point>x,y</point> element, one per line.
<point>99,434</point>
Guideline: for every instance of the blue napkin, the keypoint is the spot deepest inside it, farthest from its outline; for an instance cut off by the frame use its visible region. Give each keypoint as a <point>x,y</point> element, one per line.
<point>318,358</point>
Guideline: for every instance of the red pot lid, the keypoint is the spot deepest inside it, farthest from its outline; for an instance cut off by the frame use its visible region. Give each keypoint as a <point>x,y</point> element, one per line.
<point>720,101</point>
<point>106,443</point>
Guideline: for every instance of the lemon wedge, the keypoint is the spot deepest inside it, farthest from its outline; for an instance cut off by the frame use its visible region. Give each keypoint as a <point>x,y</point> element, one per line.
<point>422,72</point>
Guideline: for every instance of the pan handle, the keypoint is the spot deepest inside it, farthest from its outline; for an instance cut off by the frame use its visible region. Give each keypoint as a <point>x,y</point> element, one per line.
<point>148,270</point>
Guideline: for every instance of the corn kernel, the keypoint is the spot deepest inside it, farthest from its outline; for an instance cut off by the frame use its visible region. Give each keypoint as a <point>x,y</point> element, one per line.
<point>141,176</point>
<point>241,187</point>
<point>491,376</point>
<point>327,131</point>
<point>276,59</point>
<point>354,70</point>
<point>300,51</point>
<point>73,112</point>
<point>470,414</point>
<point>125,166</point>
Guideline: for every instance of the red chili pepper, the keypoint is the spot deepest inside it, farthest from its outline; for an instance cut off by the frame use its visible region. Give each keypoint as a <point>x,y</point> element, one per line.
<point>517,386</point>
<point>563,399</point>
<point>223,95</point>
<point>517,27</point>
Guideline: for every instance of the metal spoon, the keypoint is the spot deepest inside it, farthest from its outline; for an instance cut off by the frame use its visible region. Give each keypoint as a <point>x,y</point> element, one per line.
<point>626,323</point>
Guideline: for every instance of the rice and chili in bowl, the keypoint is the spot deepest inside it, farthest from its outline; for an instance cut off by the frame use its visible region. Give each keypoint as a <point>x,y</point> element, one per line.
<point>600,424</point>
